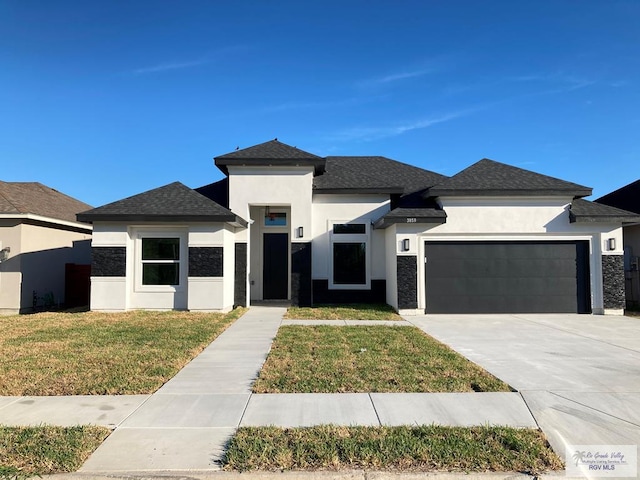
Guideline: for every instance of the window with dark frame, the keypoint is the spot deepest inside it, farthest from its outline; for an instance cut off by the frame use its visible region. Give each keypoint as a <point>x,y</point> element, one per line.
<point>160,261</point>
<point>349,250</point>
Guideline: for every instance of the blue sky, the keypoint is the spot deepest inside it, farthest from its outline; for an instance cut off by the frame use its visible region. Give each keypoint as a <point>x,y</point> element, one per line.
<point>106,99</point>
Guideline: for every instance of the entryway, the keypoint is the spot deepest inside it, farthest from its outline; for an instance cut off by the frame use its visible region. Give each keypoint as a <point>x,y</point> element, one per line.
<point>275,271</point>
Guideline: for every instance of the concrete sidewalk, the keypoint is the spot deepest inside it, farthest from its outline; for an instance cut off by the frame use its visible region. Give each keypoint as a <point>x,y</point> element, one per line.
<point>186,423</point>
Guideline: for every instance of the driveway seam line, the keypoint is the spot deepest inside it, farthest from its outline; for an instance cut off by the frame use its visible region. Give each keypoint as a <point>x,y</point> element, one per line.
<point>134,411</point>
<point>244,410</point>
<point>529,409</point>
<point>574,333</point>
<point>374,408</point>
<point>595,409</point>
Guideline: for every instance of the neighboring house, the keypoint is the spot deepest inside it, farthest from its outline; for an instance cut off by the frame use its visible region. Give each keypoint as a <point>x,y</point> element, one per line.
<point>289,225</point>
<point>628,198</point>
<point>39,235</point>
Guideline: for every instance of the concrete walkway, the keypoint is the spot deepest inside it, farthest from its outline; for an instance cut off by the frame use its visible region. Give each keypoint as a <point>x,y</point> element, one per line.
<point>186,423</point>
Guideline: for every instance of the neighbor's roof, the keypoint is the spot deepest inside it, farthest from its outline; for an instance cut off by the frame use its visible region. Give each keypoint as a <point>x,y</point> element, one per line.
<point>488,177</point>
<point>22,198</point>
<point>373,174</point>
<point>627,198</point>
<point>173,202</point>
<point>271,153</point>
<point>585,211</point>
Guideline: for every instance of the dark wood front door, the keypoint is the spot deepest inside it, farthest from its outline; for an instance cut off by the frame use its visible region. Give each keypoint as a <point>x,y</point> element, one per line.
<point>275,273</point>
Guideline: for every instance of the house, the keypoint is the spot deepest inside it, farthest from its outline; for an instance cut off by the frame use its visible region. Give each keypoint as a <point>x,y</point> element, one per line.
<point>628,198</point>
<point>39,236</point>
<point>285,224</point>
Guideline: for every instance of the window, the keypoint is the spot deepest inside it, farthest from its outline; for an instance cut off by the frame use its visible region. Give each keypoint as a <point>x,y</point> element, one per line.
<point>160,261</point>
<point>349,263</point>
<point>275,219</point>
<point>350,256</point>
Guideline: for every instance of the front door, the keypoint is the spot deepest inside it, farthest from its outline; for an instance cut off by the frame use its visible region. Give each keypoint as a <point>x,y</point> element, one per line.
<point>275,272</point>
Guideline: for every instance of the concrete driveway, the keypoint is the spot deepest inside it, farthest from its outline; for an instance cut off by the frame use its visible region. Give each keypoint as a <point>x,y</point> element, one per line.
<point>579,374</point>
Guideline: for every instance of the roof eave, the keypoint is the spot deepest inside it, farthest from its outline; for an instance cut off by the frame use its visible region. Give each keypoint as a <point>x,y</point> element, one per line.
<point>80,224</point>
<point>233,220</point>
<point>339,191</point>
<point>451,192</point>
<point>386,222</point>
<point>318,164</point>
<point>625,220</point>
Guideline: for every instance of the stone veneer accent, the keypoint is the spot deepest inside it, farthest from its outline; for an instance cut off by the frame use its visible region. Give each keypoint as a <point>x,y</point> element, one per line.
<point>206,261</point>
<point>322,294</point>
<point>240,276</point>
<point>407,282</point>
<point>301,274</point>
<point>109,261</point>
<point>613,281</point>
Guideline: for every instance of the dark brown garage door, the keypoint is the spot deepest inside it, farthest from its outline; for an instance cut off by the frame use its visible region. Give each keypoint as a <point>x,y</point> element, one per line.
<point>507,277</point>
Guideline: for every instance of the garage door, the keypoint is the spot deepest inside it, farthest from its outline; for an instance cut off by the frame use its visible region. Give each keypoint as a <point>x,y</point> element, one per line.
<point>507,277</point>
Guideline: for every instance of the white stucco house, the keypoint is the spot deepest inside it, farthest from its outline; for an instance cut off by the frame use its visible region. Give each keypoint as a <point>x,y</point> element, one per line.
<point>285,224</point>
<point>39,238</point>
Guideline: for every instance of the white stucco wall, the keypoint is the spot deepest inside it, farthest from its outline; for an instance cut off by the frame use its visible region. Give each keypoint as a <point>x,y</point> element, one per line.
<point>194,293</point>
<point>10,274</point>
<point>328,209</point>
<point>391,266</point>
<point>272,186</point>
<point>512,219</point>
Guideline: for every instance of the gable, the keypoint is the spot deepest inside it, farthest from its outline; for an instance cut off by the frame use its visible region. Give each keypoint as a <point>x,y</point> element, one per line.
<point>173,202</point>
<point>491,178</point>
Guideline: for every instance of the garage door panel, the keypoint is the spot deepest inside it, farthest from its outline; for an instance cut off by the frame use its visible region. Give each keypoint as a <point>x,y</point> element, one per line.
<point>505,277</point>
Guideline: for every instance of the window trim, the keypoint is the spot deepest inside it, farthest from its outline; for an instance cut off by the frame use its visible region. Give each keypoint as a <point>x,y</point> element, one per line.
<point>182,261</point>
<point>350,238</point>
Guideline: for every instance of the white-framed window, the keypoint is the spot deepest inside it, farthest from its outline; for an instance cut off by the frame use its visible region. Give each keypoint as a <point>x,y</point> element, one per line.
<point>161,260</point>
<point>350,256</point>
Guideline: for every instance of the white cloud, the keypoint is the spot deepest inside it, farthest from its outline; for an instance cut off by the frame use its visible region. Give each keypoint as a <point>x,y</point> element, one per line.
<point>375,133</point>
<point>163,67</point>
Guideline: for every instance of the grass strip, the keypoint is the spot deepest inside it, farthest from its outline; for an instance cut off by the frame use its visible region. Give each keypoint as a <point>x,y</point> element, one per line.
<point>339,359</point>
<point>26,451</point>
<point>94,353</point>
<point>344,312</point>
<point>417,448</point>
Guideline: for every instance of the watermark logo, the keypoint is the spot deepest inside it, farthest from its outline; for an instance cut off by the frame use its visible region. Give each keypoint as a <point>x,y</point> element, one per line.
<point>602,460</point>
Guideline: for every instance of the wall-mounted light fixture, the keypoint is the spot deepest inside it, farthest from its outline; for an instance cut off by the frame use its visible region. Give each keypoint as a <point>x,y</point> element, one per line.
<point>611,244</point>
<point>300,232</point>
<point>405,245</point>
<point>4,253</point>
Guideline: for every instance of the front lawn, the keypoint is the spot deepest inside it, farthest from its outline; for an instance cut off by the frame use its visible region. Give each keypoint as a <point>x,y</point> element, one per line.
<point>336,359</point>
<point>26,451</point>
<point>344,312</point>
<point>419,449</point>
<point>96,353</point>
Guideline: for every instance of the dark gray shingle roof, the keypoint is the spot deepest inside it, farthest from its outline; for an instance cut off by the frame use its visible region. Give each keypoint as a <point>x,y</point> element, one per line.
<point>271,153</point>
<point>626,198</point>
<point>173,202</point>
<point>488,177</point>
<point>38,199</point>
<point>585,211</point>
<point>374,174</point>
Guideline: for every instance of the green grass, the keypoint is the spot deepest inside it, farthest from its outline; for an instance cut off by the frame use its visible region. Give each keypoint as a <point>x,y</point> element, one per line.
<point>420,449</point>
<point>26,451</point>
<point>335,359</point>
<point>345,312</point>
<point>96,353</point>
